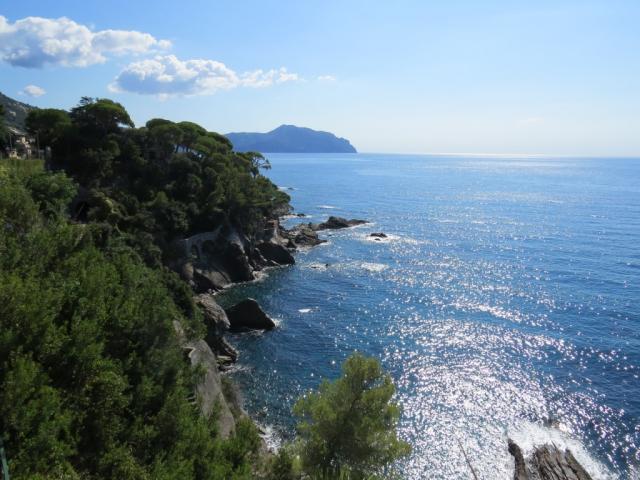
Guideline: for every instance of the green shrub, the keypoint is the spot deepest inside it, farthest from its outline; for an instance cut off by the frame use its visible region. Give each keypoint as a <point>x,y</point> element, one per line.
<point>350,425</point>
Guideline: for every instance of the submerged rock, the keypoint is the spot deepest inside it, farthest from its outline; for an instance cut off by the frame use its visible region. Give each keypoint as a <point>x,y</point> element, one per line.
<point>547,462</point>
<point>248,314</point>
<point>335,223</point>
<point>378,235</point>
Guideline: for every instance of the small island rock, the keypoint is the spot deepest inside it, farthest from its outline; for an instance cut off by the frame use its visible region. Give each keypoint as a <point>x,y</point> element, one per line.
<point>304,236</point>
<point>335,223</point>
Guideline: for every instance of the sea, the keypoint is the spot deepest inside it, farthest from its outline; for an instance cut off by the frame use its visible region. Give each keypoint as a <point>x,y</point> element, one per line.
<point>504,302</point>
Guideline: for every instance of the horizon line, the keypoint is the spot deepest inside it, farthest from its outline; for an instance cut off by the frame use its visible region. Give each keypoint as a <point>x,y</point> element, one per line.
<point>507,155</point>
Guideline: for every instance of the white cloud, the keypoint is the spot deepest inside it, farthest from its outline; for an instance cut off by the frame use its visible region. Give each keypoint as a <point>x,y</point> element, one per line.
<point>260,78</point>
<point>34,42</point>
<point>33,91</point>
<point>167,75</point>
<point>326,78</point>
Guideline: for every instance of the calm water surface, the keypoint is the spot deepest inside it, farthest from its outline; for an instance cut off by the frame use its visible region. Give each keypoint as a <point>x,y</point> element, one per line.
<point>507,295</point>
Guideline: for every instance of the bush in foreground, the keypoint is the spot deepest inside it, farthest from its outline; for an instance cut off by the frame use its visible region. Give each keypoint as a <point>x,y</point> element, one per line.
<point>348,428</point>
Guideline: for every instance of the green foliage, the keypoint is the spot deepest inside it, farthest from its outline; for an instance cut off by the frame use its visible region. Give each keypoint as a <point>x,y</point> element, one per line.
<point>158,183</point>
<point>21,166</point>
<point>282,466</point>
<point>51,192</point>
<point>49,124</point>
<point>93,383</point>
<point>350,425</point>
<point>100,115</point>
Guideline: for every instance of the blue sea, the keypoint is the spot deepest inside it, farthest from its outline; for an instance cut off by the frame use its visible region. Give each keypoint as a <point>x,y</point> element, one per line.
<point>505,298</point>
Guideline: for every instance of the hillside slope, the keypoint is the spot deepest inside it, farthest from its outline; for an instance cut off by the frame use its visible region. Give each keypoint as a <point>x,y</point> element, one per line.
<point>15,111</point>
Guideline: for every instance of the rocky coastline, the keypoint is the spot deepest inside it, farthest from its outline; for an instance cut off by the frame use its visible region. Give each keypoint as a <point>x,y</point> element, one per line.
<point>214,261</point>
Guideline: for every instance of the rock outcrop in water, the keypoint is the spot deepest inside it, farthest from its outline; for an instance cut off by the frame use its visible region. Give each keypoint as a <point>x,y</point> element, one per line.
<point>248,315</point>
<point>304,236</point>
<point>547,462</point>
<point>335,223</point>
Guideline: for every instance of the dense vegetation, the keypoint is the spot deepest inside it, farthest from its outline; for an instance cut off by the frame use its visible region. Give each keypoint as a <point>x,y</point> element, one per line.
<point>156,183</point>
<point>93,383</point>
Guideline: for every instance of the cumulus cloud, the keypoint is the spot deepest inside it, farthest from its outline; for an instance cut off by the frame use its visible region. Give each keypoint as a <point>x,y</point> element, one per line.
<point>34,42</point>
<point>326,78</point>
<point>167,75</point>
<point>33,91</point>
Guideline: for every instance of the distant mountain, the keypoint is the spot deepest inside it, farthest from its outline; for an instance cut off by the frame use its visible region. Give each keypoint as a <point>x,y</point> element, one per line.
<point>290,139</point>
<point>15,112</point>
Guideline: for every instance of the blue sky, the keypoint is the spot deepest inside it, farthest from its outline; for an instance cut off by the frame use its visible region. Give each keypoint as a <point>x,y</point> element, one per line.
<point>548,77</point>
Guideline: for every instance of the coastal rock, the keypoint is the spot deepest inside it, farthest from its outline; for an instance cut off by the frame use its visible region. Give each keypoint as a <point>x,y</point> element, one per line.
<point>552,464</point>
<point>304,236</point>
<point>209,279</point>
<point>520,471</point>
<point>209,392</point>
<point>215,259</point>
<point>215,317</point>
<point>378,235</point>
<point>248,314</point>
<point>222,348</point>
<point>273,232</point>
<point>235,261</point>
<point>335,223</point>
<point>547,462</point>
<point>276,253</point>
<point>217,323</point>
